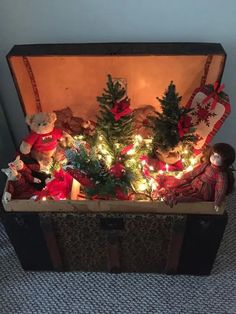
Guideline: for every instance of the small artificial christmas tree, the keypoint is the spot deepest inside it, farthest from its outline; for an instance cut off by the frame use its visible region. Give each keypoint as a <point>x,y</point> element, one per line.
<point>112,167</point>
<point>101,169</point>
<point>173,125</point>
<point>116,143</point>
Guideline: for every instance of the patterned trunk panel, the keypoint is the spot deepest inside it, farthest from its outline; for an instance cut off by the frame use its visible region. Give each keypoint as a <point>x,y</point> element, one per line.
<point>143,241</point>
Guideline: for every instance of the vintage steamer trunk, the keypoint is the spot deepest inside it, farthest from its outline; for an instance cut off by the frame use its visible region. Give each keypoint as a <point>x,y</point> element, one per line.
<point>116,236</point>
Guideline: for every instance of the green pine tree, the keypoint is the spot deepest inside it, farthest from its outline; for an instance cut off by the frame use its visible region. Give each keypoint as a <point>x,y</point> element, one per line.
<point>165,123</point>
<point>114,133</point>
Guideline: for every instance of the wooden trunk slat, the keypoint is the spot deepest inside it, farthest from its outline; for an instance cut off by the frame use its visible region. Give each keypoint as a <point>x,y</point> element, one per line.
<point>111,206</point>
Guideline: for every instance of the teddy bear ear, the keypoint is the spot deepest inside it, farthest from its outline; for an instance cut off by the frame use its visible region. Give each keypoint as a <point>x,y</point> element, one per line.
<point>52,116</point>
<point>29,119</point>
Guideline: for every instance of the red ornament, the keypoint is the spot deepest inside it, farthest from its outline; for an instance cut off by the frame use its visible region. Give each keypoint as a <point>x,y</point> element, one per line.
<point>185,122</point>
<point>117,170</point>
<point>121,109</point>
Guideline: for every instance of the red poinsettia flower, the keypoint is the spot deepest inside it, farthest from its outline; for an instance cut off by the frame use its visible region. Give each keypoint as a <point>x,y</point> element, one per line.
<point>185,122</point>
<point>121,109</point>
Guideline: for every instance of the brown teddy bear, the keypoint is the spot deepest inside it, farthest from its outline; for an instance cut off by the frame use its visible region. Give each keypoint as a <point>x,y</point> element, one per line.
<point>43,139</point>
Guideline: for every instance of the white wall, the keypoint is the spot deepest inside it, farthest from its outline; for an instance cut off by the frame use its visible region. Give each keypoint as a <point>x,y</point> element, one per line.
<point>74,21</point>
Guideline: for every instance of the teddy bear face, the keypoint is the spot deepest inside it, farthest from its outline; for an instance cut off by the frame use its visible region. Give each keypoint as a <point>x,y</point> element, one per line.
<point>41,123</point>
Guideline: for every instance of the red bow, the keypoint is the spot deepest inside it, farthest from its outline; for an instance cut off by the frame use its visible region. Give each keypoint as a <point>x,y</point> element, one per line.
<point>185,122</point>
<point>121,109</point>
<point>215,95</point>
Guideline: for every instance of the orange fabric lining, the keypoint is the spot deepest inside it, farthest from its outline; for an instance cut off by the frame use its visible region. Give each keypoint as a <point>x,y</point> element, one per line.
<point>75,81</point>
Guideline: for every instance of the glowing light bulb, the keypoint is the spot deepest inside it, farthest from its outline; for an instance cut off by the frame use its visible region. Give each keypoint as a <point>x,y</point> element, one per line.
<point>138,138</point>
<point>190,168</point>
<point>148,141</point>
<point>44,198</point>
<point>109,159</point>
<point>100,138</point>
<point>161,171</point>
<point>153,184</point>
<point>179,175</point>
<point>167,167</point>
<point>142,187</point>
<point>151,168</point>
<point>131,152</point>
<point>193,160</point>
<point>143,162</point>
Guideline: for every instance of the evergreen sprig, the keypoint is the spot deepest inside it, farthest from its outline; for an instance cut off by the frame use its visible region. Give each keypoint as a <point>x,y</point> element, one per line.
<point>104,183</point>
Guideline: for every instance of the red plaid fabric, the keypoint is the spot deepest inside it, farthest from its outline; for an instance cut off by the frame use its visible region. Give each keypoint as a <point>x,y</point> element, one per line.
<point>20,189</point>
<point>206,182</point>
<point>27,174</point>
